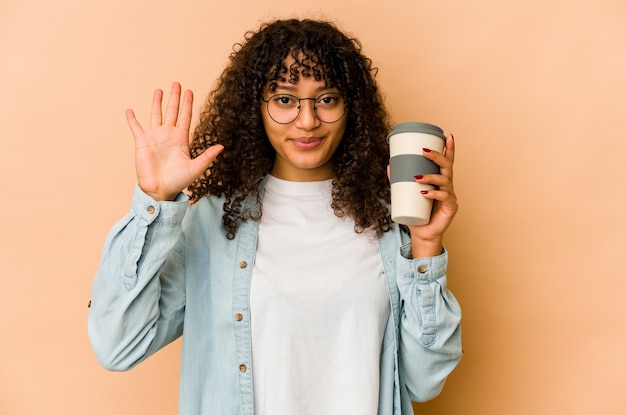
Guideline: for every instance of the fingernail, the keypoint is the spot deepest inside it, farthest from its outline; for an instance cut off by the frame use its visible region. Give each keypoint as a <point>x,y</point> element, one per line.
<point>419,177</point>
<point>452,135</point>
<point>426,150</point>
<point>424,192</point>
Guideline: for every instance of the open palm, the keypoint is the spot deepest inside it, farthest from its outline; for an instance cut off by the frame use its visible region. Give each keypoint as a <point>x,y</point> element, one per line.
<point>163,164</point>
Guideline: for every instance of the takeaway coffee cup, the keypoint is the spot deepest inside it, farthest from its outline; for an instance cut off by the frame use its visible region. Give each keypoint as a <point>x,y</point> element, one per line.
<point>406,141</point>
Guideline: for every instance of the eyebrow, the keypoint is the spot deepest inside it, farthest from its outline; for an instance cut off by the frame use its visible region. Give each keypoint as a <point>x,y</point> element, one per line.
<point>293,88</point>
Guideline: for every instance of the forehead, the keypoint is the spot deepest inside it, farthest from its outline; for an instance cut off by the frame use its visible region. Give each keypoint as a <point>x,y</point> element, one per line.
<point>304,88</point>
<point>296,69</point>
<point>303,85</point>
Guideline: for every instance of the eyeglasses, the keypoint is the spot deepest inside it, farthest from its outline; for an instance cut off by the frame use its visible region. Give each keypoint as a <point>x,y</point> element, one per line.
<point>285,108</point>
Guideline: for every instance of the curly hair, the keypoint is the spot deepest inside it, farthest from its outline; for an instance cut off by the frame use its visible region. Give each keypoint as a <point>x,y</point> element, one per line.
<point>232,117</point>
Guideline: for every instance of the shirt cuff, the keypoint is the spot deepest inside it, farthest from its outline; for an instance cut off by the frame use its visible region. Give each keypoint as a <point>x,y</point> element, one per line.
<point>430,268</point>
<point>150,210</point>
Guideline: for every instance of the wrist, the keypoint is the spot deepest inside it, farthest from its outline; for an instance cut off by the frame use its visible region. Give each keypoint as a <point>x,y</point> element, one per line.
<point>426,248</point>
<point>160,197</point>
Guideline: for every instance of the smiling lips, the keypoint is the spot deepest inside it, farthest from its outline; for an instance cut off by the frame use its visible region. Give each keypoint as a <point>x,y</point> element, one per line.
<point>306,143</point>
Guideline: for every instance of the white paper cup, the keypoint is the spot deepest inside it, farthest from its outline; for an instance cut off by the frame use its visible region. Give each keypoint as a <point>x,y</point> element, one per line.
<point>406,160</point>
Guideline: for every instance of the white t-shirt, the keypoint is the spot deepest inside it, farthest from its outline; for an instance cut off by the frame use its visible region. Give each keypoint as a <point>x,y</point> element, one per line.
<point>319,305</point>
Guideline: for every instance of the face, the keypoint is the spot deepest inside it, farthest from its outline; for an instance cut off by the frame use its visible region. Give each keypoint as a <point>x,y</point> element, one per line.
<point>304,147</point>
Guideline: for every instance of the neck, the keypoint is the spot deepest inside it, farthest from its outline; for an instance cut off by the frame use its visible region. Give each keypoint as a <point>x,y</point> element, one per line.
<point>308,175</point>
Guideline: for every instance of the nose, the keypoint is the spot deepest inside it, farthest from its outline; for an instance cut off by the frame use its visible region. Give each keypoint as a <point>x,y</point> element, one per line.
<point>307,119</point>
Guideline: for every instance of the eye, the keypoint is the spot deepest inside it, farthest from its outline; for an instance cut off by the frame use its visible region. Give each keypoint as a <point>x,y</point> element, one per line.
<point>285,100</point>
<point>328,100</point>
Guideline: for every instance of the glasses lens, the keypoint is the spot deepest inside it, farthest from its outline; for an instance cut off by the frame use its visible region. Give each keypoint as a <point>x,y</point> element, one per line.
<point>285,108</point>
<point>329,107</point>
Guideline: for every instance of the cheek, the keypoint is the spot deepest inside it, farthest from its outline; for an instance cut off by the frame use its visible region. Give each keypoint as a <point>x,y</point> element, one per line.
<point>265,119</point>
<point>267,124</point>
<point>341,130</point>
<point>273,131</point>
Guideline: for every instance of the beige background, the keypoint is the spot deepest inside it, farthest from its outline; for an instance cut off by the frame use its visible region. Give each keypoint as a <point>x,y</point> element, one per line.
<point>534,92</point>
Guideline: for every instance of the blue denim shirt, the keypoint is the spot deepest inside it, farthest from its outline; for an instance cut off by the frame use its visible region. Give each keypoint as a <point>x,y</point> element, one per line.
<point>168,270</point>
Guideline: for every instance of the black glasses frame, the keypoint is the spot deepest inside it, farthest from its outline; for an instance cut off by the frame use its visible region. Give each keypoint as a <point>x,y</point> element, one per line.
<point>267,101</point>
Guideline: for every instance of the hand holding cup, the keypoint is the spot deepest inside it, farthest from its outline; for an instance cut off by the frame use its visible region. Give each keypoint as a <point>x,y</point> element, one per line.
<point>422,191</point>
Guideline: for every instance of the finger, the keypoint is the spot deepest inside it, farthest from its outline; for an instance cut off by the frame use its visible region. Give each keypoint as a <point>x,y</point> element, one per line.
<point>440,195</point>
<point>444,163</point>
<point>171,111</point>
<point>155,112</point>
<point>211,153</point>
<point>449,150</point>
<point>202,162</point>
<point>134,125</point>
<point>437,180</point>
<point>445,204</point>
<point>184,118</point>
<point>445,200</point>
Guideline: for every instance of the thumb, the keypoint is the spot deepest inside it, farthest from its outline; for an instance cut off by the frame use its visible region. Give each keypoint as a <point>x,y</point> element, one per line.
<point>204,160</point>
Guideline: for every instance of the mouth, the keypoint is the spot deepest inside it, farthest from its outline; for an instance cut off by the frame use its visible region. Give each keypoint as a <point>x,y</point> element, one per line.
<point>307,143</point>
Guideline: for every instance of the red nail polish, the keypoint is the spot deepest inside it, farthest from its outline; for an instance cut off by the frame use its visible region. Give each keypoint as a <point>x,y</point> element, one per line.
<point>424,192</point>
<point>419,177</point>
<point>427,150</point>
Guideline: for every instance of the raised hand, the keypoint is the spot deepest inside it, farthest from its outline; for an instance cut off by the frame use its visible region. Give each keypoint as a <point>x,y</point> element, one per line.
<point>162,161</point>
<point>428,239</point>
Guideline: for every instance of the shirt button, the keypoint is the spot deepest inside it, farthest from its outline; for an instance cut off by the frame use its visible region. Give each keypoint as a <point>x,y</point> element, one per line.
<point>421,269</point>
<point>238,316</point>
<point>151,210</point>
<point>243,368</point>
<point>243,264</point>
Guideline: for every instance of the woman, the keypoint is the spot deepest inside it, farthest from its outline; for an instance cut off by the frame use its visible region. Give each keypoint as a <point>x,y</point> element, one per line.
<point>293,290</point>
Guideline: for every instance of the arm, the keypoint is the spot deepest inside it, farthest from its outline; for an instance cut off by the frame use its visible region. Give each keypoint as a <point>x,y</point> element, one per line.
<point>137,301</point>
<point>138,294</point>
<point>430,332</point>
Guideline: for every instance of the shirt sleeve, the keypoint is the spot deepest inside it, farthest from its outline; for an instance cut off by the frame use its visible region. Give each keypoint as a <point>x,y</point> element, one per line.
<point>136,308</point>
<point>430,331</point>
